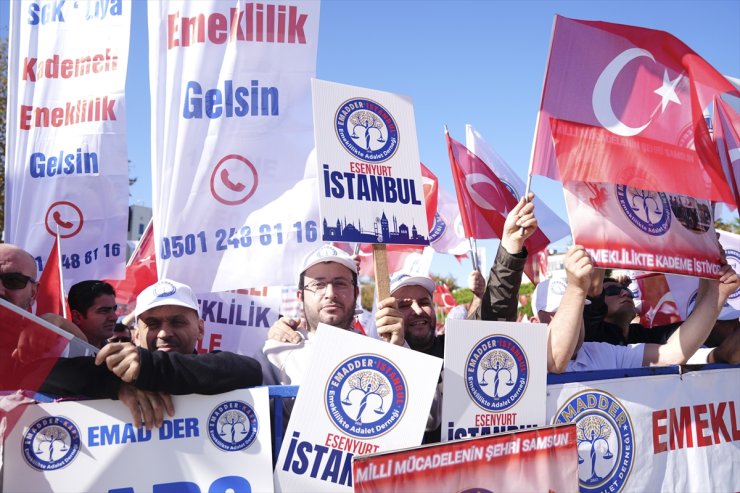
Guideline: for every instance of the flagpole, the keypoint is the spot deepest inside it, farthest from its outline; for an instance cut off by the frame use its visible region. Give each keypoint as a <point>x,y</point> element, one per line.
<point>473,254</point>
<point>61,274</point>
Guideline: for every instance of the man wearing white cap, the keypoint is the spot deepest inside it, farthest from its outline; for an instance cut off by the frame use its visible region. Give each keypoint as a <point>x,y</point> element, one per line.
<point>415,296</point>
<point>328,290</point>
<point>163,358</point>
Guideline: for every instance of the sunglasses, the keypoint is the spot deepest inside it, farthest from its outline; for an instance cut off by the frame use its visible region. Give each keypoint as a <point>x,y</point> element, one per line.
<point>15,280</point>
<point>614,290</point>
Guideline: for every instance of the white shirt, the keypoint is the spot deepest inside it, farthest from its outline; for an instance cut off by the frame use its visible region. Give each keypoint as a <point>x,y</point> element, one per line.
<point>604,356</point>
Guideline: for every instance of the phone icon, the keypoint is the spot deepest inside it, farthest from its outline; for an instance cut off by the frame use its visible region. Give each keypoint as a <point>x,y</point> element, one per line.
<point>236,187</point>
<point>58,219</point>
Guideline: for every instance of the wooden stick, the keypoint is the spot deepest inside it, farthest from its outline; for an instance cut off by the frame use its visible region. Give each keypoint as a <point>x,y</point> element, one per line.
<point>382,279</point>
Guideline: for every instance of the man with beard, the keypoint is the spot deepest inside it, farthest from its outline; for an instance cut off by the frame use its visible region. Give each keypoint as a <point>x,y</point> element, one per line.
<point>328,290</point>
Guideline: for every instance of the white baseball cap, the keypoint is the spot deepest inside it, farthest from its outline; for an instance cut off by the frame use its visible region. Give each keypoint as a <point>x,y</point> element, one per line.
<point>166,292</point>
<point>548,294</point>
<point>401,279</point>
<point>329,253</point>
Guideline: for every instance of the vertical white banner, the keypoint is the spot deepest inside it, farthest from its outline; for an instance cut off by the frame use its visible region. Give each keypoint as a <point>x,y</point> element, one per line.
<point>231,136</point>
<point>67,166</point>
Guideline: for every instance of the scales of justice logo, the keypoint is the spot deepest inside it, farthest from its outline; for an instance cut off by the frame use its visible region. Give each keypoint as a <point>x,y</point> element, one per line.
<point>366,396</point>
<point>366,130</point>
<point>649,211</point>
<point>233,426</point>
<point>497,373</point>
<point>605,440</point>
<point>51,443</point>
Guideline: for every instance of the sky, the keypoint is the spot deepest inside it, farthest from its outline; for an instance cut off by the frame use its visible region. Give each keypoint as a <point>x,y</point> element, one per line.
<point>462,62</point>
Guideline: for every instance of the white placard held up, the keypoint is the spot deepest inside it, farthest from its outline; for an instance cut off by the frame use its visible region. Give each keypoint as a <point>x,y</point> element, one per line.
<point>364,396</point>
<point>495,378</point>
<point>370,186</point>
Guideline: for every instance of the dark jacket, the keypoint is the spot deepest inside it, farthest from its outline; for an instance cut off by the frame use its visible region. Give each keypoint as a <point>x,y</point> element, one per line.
<point>500,298</point>
<point>173,373</point>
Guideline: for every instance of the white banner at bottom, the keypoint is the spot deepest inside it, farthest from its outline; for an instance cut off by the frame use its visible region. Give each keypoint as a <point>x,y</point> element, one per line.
<point>656,433</point>
<point>213,443</point>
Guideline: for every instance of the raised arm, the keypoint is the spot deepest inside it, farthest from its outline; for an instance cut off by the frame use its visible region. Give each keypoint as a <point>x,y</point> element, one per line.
<point>684,342</point>
<point>565,331</point>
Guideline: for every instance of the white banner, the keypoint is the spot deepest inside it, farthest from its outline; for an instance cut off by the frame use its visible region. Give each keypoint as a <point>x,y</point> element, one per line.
<point>495,375</point>
<point>364,396</point>
<point>67,167</point>
<point>370,186</point>
<point>238,321</point>
<point>231,136</point>
<point>656,433</point>
<point>214,443</point>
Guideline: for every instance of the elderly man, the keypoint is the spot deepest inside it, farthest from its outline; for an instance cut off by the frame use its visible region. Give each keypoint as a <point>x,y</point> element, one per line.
<point>93,308</point>
<point>18,285</point>
<point>567,351</point>
<point>328,291</point>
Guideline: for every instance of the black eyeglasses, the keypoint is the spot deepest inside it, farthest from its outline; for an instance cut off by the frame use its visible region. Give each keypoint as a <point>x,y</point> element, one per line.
<point>15,280</point>
<point>615,289</point>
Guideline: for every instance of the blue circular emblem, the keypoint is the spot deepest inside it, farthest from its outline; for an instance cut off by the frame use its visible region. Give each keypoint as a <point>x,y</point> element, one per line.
<point>51,443</point>
<point>164,289</point>
<point>558,285</point>
<point>649,211</point>
<point>496,373</point>
<point>605,438</point>
<point>733,258</point>
<point>232,426</point>
<point>366,130</point>
<point>438,228</point>
<point>366,396</point>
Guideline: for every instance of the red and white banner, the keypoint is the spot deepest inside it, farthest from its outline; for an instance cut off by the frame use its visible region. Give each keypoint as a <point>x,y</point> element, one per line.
<point>657,300</point>
<point>630,228</point>
<point>676,432</point>
<point>726,125</point>
<point>231,138</point>
<point>624,104</point>
<point>66,134</point>
<point>549,224</point>
<point>534,460</point>
<point>214,443</point>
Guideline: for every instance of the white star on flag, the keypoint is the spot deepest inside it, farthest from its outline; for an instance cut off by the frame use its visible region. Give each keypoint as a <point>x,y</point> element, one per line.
<point>668,90</point>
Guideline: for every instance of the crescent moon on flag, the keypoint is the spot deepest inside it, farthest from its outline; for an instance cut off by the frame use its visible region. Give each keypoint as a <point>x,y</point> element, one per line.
<point>475,178</point>
<point>601,99</point>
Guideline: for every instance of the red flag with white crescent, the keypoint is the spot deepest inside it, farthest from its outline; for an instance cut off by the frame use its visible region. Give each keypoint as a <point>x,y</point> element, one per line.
<point>141,272</point>
<point>624,105</point>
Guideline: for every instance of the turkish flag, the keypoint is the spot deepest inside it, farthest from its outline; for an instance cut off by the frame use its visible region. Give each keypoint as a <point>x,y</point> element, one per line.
<point>658,306</point>
<point>727,137</point>
<point>483,198</point>
<point>430,184</point>
<point>50,295</point>
<point>443,298</point>
<point>624,105</point>
<point>141,272</point>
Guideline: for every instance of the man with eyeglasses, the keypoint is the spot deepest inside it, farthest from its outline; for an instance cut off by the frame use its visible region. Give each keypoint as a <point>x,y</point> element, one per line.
<point>93,308</point>
<point>17,276</point>
<point>18,285</point>
<point>328,290</point>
